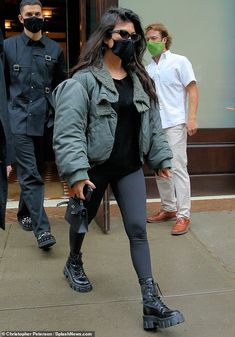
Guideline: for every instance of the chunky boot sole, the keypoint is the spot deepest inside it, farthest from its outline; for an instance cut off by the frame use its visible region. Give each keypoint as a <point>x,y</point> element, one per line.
<point>153,322</point>
<point>74,286</point>
<point>47,243</point>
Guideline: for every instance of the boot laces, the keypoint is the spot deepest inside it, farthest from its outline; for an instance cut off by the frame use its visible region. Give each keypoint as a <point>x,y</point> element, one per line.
<point>78,267</point>
<point>154,289</point>
<point>156,295</point>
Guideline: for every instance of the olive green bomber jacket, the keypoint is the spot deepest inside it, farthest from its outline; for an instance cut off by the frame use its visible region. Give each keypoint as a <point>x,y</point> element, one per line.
<point>85,124</point>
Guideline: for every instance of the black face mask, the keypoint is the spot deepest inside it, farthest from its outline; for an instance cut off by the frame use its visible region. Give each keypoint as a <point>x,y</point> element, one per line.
<point>124,49</point>
<point>33,24</point>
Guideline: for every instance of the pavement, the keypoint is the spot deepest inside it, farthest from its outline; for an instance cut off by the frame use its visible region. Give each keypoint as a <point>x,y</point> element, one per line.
<point>196,273</point>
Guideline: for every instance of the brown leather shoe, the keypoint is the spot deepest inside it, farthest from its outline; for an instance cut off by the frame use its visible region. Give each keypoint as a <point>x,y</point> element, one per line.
<point>162,216</point>
<point>181,226</point>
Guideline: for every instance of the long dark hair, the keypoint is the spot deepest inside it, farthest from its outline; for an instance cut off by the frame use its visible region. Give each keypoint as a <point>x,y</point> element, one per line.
<point>92,52</point>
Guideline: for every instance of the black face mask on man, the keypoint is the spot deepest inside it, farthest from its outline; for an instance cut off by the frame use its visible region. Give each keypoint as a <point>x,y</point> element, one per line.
<point>124,49</point>
<point>33,24</point>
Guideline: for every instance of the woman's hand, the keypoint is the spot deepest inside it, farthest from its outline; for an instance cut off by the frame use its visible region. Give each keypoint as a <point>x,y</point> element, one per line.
<point>79,186</point>
<point>164,173</point>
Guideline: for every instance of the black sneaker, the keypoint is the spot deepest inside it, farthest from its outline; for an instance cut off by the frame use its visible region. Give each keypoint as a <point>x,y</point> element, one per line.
<point>26,223</point>
<point>45,240</point>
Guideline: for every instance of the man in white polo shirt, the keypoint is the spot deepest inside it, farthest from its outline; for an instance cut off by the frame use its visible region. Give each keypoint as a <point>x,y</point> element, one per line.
<point>178,100</point>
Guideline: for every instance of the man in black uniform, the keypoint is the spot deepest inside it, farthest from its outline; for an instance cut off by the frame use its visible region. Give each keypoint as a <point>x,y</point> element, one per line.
<point>5,141</point>
<point>34,66</point>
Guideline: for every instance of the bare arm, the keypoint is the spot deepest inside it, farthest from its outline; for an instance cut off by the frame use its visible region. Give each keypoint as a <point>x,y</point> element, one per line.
<point>192,91</point>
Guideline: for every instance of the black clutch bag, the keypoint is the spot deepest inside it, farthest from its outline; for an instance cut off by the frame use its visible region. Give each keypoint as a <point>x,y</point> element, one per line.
<point>76,213</point>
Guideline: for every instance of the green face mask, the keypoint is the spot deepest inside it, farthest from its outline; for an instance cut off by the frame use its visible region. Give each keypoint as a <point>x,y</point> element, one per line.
<point>155,48</point>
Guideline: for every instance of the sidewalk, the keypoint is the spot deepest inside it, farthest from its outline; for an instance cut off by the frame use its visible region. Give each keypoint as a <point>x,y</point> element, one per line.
<point>196,273</point>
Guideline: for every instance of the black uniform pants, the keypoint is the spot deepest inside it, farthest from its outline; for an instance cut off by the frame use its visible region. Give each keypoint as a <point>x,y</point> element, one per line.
<point>130,193</point>
<point>32,186</point>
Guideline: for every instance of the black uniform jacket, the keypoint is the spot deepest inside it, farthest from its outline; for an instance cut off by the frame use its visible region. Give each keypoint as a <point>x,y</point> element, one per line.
<point>33,69</point>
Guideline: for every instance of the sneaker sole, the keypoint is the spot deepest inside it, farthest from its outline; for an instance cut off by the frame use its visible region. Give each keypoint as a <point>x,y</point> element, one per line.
<point>181,233</point>
<point>47,244</point>
<point>153,322</point>
<point>27,229</point>
<point>80,289</point>
<point>163,220</point>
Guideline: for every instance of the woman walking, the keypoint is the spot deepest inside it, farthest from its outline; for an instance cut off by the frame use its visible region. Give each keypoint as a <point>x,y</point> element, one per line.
<point>106,125</point>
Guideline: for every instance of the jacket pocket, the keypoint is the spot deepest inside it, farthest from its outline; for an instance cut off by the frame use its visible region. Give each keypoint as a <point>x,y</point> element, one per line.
<point>99,140</point>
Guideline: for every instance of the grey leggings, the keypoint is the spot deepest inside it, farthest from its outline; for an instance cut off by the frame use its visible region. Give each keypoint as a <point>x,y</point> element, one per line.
<point>130,193</point>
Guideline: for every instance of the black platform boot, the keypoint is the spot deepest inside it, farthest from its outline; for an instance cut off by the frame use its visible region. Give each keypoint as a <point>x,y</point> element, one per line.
<point>156,313</point>
<point>75,274</point>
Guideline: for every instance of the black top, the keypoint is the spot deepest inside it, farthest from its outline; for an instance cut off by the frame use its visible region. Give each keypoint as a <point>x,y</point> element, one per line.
<point>124,157</point>
<point>33,69</point>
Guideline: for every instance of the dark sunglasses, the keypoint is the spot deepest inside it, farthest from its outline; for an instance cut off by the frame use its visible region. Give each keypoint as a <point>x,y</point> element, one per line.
<point>125,35</point>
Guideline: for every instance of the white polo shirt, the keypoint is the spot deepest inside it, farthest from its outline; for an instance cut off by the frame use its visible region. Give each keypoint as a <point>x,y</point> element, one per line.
<point>171,75</point>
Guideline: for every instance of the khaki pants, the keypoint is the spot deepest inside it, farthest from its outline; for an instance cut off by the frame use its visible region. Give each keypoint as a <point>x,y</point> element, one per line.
<point>175,191</point>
